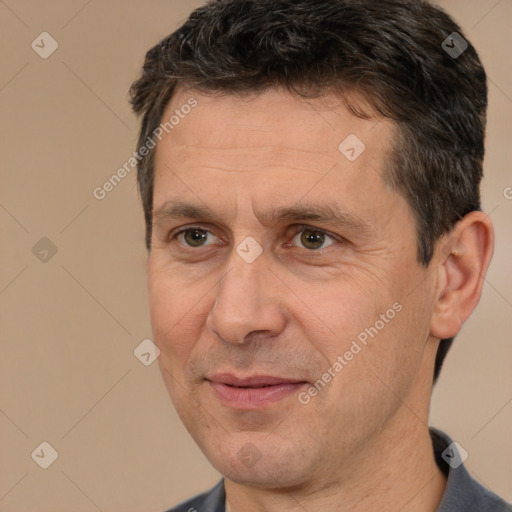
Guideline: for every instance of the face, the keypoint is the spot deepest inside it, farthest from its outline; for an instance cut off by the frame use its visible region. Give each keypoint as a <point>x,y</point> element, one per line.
<point>286,299</point>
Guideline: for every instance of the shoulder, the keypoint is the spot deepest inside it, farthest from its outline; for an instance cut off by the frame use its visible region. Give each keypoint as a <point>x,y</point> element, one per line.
<point>209,501</point>
<point>463,493</point>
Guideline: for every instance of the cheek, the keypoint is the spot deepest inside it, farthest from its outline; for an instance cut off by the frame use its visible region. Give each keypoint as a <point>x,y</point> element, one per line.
<point>347,308</point>
<point>390,349</point>
<point>175,313</point>
<point>371,327</point>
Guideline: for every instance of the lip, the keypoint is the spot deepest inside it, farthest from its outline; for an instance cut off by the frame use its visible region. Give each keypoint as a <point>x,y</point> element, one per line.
<point>254,392</point>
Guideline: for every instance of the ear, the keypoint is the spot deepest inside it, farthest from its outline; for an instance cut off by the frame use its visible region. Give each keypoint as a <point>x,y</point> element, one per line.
<point>461,258</point>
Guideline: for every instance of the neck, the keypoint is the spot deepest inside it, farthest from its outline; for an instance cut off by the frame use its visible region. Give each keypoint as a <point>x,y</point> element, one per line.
<point>397,471</point>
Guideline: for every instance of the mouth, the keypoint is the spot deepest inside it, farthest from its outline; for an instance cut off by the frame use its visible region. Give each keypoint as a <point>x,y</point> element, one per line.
<point>257,391</point>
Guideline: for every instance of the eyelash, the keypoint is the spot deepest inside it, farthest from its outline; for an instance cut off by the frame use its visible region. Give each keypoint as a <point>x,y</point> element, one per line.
<point>297,229</point>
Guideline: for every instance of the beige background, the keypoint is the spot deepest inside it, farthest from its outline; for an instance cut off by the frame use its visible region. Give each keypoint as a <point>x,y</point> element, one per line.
<point>69,325</point>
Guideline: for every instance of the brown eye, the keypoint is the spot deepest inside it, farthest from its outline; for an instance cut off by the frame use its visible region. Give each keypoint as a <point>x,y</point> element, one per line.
<point>193,237</point>
<point>313,239</point>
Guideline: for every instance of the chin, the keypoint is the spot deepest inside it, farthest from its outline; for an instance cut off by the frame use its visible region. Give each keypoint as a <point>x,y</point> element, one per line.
<point>259,461</point>
<point>267,476</point>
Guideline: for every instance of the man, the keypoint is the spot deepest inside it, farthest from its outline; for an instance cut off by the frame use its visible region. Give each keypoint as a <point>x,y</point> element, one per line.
<point>309,171</point>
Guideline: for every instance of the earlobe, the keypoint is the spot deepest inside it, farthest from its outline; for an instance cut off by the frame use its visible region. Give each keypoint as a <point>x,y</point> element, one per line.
<point>462,258</point>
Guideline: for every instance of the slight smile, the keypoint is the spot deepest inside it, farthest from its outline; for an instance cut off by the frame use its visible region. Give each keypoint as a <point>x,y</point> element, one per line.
<point>253,392</point>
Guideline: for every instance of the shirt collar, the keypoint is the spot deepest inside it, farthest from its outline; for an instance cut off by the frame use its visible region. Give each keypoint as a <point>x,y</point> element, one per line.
<point>462,492</point>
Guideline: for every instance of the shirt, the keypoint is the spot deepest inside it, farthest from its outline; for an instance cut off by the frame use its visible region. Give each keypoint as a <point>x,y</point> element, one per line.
<point>462,492</point>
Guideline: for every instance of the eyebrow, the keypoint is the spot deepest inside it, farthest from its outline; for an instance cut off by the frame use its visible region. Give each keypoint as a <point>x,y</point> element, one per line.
<point>325,212</point>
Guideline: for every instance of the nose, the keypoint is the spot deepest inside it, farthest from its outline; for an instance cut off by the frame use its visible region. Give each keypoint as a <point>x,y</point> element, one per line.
<point>250,299</point>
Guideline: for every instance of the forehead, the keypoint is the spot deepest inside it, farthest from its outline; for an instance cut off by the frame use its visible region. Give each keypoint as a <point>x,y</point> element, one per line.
<point>270,147</point>
<point>272,128</point>
<point>273,118</point>
<point>243,158</point>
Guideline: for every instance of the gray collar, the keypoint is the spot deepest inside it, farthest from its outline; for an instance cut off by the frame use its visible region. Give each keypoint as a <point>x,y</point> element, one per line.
<point>462,493</point>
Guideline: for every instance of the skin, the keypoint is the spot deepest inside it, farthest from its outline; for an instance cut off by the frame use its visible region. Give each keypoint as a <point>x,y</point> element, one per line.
<point>362,442</point>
